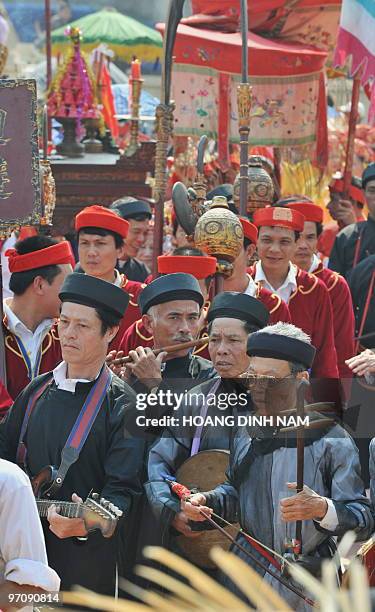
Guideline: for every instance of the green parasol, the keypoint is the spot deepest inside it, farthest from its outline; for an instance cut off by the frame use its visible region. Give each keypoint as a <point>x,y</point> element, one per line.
<point>124,35</point>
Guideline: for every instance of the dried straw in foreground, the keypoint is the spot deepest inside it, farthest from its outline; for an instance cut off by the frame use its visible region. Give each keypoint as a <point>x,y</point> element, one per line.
<point>203,594</point>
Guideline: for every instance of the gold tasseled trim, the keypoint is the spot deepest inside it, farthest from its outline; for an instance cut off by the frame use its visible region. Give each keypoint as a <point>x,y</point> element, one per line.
<point>9,338</point>
<point>278,302</point>
<point>48,344</point>
<point>305,291</point>
<point>139,333</point>
<point>333,281</point>
<point>201,348</point>
<point>54,334</point>
<point>124,282</point>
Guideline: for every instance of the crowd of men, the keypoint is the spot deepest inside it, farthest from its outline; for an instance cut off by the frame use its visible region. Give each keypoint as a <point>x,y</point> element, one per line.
<point>78,419</point>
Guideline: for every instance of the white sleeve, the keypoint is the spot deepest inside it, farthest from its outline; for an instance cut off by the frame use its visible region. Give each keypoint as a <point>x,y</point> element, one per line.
<point>21,536</point>
<point>330,520</point>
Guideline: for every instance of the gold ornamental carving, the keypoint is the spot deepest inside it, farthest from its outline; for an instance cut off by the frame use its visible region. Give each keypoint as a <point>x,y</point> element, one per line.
<point>48,190</point>
<point>164,130</point>
<point>219,233</point>
<point>260,191</point>
<point>244,105</point>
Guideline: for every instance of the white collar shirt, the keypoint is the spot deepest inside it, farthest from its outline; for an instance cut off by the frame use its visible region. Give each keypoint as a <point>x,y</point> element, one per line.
<point>64,383</point>
<point>32,341</point>
<point>251,288</point>
<point>286,289</point>
<point>118,279</point>
<point>315,261</point>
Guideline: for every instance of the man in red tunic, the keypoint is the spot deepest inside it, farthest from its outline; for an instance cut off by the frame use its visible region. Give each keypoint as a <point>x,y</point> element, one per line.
<point>38,267</point>
<point>306,259</point>
<point>241,280</point>
<point>184,259</point>
<point>306,295</point>
<point>101,234</point>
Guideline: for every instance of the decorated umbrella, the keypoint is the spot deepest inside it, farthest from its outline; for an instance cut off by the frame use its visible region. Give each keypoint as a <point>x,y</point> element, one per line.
<point>312,22</point>
<point>289,98</point>
<point>124,35</point>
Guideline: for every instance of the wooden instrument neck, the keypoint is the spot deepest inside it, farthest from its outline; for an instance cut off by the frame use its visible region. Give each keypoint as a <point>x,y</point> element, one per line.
<point>67,509</point>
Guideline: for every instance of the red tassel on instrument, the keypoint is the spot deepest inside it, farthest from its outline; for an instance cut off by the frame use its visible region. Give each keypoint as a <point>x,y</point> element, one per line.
<point>180,490</point>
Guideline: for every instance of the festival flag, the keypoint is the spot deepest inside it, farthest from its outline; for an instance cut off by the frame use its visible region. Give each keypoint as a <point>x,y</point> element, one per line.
<point>356,40</point>
<point>108,102</point>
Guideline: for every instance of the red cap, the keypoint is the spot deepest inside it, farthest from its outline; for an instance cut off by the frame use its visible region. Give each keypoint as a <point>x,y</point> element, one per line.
<point>311,212</point>
<point>27,231</point>
<point>279,217</point>
<point>337,186</point>
<point>98,216</point>
<point>196,265</point>
<point>60,253</point>
<point>249,230</point>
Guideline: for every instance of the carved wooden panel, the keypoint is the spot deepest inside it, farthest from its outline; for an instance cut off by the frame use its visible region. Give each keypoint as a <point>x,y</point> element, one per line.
<point>79,185</point>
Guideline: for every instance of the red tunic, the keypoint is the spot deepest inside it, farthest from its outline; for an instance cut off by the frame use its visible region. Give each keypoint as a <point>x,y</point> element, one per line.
<point>343,316</point>
<point>278,309</point>
<point>5,401</point>
<point>310,310</point>
<point>137,335</point>
<point>132,314</point>
<point>17,372</point>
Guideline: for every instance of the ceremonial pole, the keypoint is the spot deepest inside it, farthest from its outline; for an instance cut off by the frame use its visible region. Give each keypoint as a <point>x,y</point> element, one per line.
<point>200,185</point>
<point>353,118</point>
<point>300,454</point>
<point>244,108</point>
<point>164,127</point>
<point>47,18</point>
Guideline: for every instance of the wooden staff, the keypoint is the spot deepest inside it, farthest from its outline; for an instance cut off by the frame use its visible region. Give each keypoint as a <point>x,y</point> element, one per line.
<point>45,132</point>
<point>164,127</point>
<point>353,117</point>
<point>47,17</point>
<point>244,108</point>
<point>200,183</point>
<point>300,452</point>
<point>171,348</point>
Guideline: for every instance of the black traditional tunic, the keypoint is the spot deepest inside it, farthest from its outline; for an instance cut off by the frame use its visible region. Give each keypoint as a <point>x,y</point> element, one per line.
<point>363,291</point>
<point>354,242</point>
<point>175,447</point>
<point>179,374</point>
<point>258,472</point>
<point>109,464</point>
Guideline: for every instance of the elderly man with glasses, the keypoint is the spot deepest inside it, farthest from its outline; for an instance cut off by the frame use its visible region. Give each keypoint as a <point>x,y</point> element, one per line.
<point>261,487</point>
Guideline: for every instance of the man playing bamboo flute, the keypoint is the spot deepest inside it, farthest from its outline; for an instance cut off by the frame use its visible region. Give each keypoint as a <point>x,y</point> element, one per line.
<point>171,307</point>
<point>260,488</point>
<point>187,260</point>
